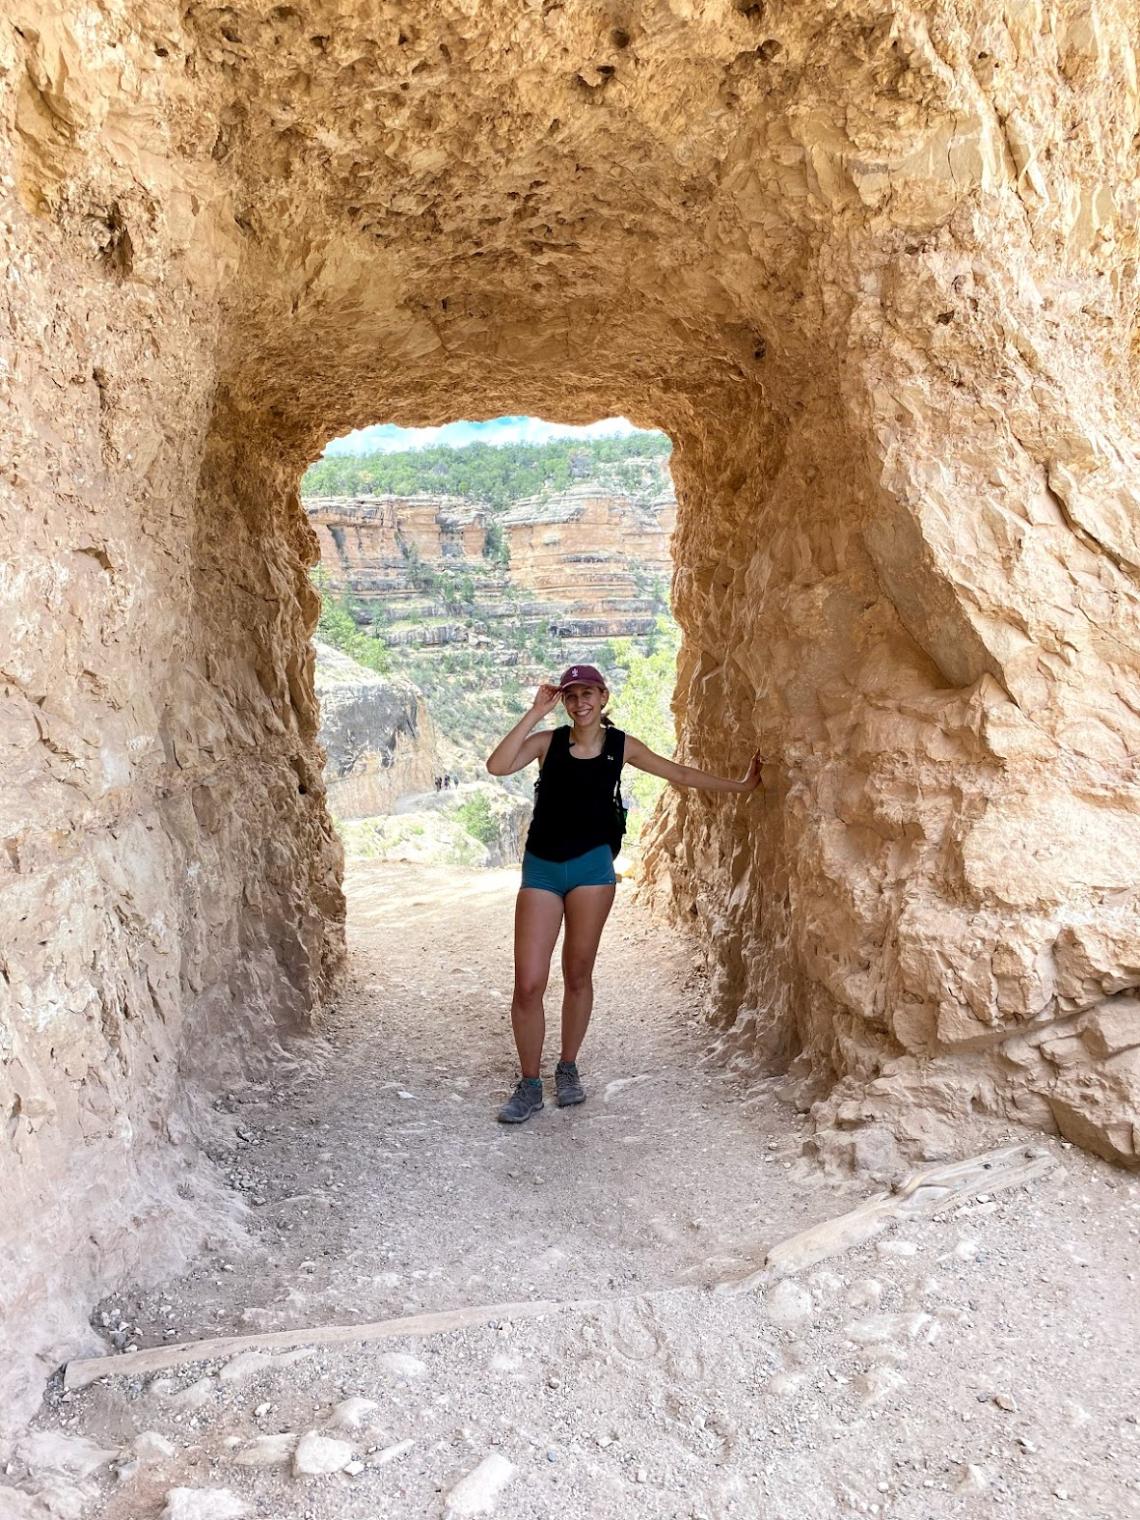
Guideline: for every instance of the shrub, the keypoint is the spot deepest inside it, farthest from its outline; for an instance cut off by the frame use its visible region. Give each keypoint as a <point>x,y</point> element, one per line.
<point>478,819</point>
<point>337,626</point>
<point>495,545</point>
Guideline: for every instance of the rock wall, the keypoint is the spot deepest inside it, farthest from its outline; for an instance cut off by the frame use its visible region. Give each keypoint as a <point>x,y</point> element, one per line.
<point>508,816</point>
<point>377,735</point>
<point>579,558</point>
<point>170,904</point>
<point>937,903</point>
<point>583,548</point>
<point>874,268</point>
<point>364,541</point>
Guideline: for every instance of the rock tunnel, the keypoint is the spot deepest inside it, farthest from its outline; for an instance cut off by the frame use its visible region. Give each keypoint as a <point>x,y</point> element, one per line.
<point>871,265</point>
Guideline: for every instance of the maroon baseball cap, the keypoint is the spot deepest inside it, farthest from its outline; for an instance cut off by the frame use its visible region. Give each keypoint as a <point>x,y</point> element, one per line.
<point>582,675</point>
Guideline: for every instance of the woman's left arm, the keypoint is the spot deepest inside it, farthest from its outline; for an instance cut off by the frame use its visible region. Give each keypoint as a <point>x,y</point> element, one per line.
<point>687,775</point>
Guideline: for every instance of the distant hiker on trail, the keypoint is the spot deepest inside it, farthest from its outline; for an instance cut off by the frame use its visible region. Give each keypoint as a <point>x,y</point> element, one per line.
<point>438,782</point>
<point>568,864</point>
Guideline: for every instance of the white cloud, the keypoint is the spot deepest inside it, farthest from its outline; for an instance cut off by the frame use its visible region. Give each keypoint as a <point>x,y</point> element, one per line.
<point>386,438</point>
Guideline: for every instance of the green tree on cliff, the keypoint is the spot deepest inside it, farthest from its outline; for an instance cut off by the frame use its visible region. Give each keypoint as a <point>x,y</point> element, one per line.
<point>495,545</point>
<point>642,707</point>
<point>496,475</point>
<point>337,626</point>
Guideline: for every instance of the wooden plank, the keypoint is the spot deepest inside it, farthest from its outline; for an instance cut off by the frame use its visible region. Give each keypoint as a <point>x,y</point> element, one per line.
<point>80,1373</point>
<point>926,1192</point>
<point>922,1194</point>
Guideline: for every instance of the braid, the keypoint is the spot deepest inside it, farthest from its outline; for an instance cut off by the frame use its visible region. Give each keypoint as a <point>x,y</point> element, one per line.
<point>607,721</point>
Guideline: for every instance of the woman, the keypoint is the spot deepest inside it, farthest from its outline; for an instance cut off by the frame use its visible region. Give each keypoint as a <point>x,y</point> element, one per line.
<point>568,865</point>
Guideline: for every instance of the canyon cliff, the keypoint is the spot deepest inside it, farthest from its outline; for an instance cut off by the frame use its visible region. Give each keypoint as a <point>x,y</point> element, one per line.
<point>872,266</point>
<point>576,561</point>
<point>377,735</point>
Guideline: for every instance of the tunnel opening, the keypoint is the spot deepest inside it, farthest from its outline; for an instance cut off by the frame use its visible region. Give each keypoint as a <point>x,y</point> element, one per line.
<point>876,308</point>
<point>461,567</point>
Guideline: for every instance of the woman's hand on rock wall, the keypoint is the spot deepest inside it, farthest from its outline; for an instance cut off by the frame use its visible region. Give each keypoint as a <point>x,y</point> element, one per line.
<point>752,776</point>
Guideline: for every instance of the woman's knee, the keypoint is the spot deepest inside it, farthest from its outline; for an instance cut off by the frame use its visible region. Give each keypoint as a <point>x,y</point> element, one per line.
<point>578,976</point>
<point>529,986</point>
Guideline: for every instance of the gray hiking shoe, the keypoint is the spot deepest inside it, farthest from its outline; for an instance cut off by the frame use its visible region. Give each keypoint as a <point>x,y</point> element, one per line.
<point>524,1101</point>
<point>568,1085</point>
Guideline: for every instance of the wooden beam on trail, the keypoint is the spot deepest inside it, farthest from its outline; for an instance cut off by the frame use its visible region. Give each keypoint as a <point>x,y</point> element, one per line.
<point>922,1194</point>
<point>80,1373</point>
<point>929,1191</point>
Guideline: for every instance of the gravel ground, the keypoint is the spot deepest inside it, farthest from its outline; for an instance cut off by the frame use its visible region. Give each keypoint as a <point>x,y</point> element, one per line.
<point>984,1360</point>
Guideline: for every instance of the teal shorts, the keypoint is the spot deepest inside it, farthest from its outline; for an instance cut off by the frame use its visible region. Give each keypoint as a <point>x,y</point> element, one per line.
<point>593,869</point>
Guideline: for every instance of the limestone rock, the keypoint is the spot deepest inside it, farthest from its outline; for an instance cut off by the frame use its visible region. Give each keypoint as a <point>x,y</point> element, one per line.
<point>15,1505</point>
<point>196,1394</point>
<point>1112,1027</point>
<point>401,1364</point>
<point>152,1446</point>
<point>432,828</point>
<point>352,1413</point>
<point>880,1329</point>
<point>51,1451</point>
<point>575,558</point>
<point>377,734</point>
<point>788,1304</point>
<point>317,1455</point>
<point>204,1504</point>
<point>268,1450</point>
<point>865,1293</point>
<point>477,1492</point>
<point>391,1453</point>
<point>972,1479</point>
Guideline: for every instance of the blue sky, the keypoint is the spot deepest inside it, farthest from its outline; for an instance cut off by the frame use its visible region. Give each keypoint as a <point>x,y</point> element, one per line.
<point>387,438</point>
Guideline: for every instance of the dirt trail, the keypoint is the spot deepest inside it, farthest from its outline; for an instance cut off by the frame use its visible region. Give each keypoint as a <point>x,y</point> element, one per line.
<point>984,1359</point>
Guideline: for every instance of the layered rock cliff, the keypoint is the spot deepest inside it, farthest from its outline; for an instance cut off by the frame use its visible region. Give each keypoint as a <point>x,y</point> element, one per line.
<point>580,562</point>
<point>377,735</point>
<point>873,267</point>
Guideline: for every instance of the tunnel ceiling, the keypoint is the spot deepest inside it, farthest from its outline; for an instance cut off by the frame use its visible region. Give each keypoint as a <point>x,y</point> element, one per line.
<point>571,207</point>
<point>543,197</point>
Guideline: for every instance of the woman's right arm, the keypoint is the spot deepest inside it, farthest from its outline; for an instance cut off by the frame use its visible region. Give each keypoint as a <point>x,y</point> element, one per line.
<point>520,746</point>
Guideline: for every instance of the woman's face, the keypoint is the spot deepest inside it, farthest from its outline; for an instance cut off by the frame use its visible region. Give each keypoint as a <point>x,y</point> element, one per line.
<point>584,703</point>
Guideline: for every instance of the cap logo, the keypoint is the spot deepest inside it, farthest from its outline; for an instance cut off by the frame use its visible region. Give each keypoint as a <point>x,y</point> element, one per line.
<point>574,672</point>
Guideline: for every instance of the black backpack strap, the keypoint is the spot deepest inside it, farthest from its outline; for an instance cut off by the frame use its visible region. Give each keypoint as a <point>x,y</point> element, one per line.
<point>615,745</point>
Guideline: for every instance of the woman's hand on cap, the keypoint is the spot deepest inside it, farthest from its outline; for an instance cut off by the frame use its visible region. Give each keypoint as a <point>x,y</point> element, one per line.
<point>546,699</point>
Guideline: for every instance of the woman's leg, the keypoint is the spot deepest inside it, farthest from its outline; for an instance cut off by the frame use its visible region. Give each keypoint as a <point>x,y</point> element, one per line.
<point>538,918</point>
<point>587,909</point>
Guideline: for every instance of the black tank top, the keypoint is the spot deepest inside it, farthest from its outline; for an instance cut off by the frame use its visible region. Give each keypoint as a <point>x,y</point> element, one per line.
<point>574,799</point>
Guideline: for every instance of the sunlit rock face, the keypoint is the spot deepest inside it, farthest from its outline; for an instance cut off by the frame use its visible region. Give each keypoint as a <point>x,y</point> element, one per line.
<point>586,553</point>
<point>874,269</point>
<point>378,738</point>
<point>578,559</point>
